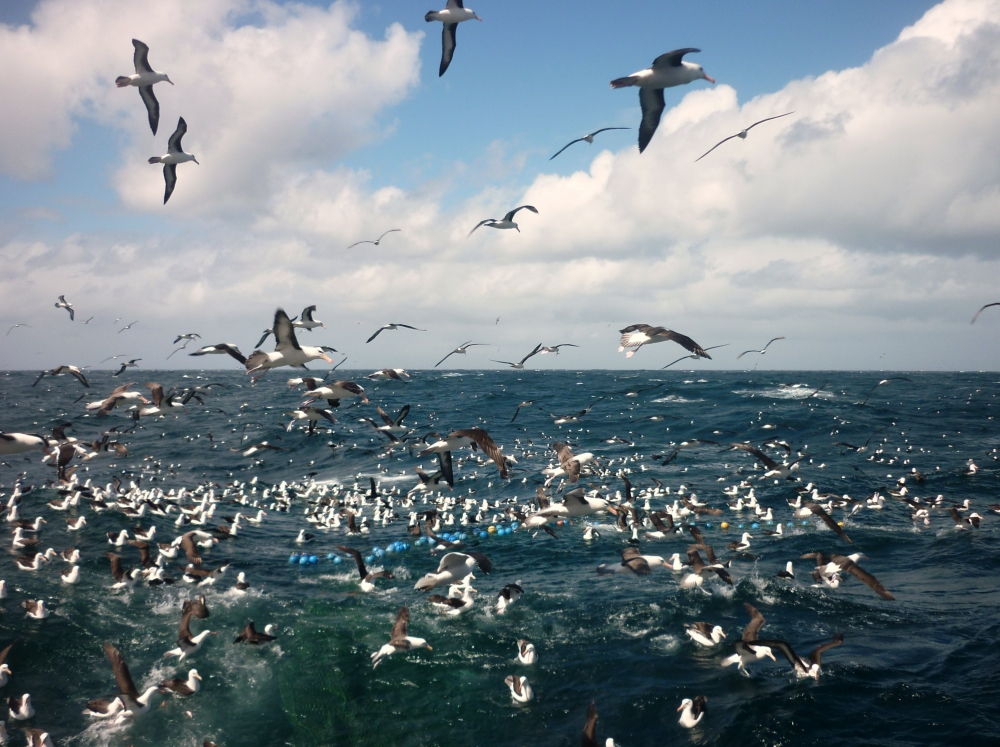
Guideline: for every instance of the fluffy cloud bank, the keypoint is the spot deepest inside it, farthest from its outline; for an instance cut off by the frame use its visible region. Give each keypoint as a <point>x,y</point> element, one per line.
<point>866,223</point>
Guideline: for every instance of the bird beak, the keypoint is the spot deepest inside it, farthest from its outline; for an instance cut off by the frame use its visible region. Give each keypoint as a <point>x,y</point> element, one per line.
<point>771,656</point>
<point>170,81</point>
<point>196,160</point>
<point>709,78</point>
<point>327,358</point>
<point>429,648</point>
<point>680,708</point>
<point>197,677</point>
<point>722,634</point>
<point>477,17</point>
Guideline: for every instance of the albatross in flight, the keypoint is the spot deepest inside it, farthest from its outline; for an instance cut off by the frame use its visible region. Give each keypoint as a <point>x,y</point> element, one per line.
<point>392,327</point>
<point>588,138</point>
<point>506,222</point>
<point>762,351</point>
<point>399,640</point>
<point>287,351</point>
<point>62,303</point>
<point>376,241</point>
<point>520,364</point>
<point>668,70</point>
<point>175,155</point>
<point>460,350</point>
<point>637,335</point>
<point>453,14</point>
<point>144,79</point>
<point>742,134</point>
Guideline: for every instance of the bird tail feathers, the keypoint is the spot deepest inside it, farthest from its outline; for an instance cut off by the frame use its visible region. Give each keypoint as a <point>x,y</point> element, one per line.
<point>121,81</point>
<point>155,159</point>
<point>623,82</point>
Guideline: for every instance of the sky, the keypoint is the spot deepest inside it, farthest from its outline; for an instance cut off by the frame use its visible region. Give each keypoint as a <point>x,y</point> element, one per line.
<point>863,228</point>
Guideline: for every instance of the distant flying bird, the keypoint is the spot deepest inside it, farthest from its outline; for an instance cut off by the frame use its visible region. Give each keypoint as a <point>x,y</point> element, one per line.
<point>973,318</point>
<point>453,14</point>
<point>174,156</point>
<point>221,348</point>
<point>668,70</point>
<point>306,320</point>
<point>637,335</point>
<point>144,79</point>
<point>131,364</point>
<point>189,336</point>
<point>460,350</point>
<point>884,381</point>
<point>555,348</point>
<point>695,356</point>
<point>376,241</point>
<point>506,222</point>
<point>128,326</point>
<point>742,134</point>
<point>88,320</point>
<point>18,325</point>
<point>62,370</point>
<point>64,304</point>
<point>588,138</point>
<point>391,327</point>
<point>764,350</point>
<point>287,350</point>
<point>520,364</point>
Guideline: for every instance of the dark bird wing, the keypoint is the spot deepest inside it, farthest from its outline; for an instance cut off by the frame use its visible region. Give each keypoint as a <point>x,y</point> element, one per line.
<point>190,549</point>
<point>284,332</point>
<point>512,213</point>
<point>571,142</point>
<point>768,119</point>
<point>447,471</point>
<point>448,44</point>
<point>658,522</point>
<point>174,143</point>
<point>632,558</point>
<point>399,627</point>
<point>816,655</point>
<point>80,377</point>
<point>758,454</point>
<point>862,575</point>
<point>590,727</point>
<point>652,103</point>
<point>357,559</point>
<point>828,520</point>
<point>377,333</point>
<point>784,648</point>
<point>981,311</point>
<point>488,445</point>
<point>482,561</point>
<point>140,58</point>
<point>714,147</point>
<point>673,59</point>
<point>169,180</point>
<point>116,566</point>
<point>3,654</point>
<point>533,352</point>
<point>152,106</point>
<point>755,624</point>
<point>122,676</point>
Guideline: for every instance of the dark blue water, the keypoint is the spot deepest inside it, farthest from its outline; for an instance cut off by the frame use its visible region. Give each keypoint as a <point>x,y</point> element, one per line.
<point>917,671</point>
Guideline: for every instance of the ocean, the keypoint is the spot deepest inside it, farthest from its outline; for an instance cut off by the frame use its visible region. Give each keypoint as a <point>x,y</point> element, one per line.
<point>920,670</point>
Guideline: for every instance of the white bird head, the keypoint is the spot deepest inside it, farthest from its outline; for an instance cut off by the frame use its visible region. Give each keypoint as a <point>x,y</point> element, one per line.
<point>686,703</point>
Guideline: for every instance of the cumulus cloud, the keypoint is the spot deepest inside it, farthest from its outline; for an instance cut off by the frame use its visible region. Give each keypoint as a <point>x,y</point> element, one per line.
<point>859,226</point>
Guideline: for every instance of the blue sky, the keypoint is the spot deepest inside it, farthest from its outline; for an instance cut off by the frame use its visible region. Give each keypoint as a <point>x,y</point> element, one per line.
<point>439,154</point>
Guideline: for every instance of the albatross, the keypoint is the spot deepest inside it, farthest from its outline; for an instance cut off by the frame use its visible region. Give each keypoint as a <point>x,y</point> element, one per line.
<point>762,350</point>
<point>506,222</point>
<point>635,336</point>
<point>62,303</point>
<point>748,650</point>
<point>474,437</point>
<point>376,241</point>
<point>692,711</point>
<point>385,327</point>
<point>742,134</point>
<point>223,348</point>
<point>367,577</point>
<point>174,155</point>
<point>287,350</point>
<point>460,350</point>
<point>588,138</point>
<point>802,667</point>
<point>144,79</point>
<point>453,569</point>
<point>520,364</point>
<point>62,371</point>
<point>668,70</point>
<point>453,14</point>
<point>133,703</point>
<point>399,641</point>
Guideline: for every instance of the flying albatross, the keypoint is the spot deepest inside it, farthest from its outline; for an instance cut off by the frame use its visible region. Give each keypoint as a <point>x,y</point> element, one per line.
<point>742,134</point>
<point>748,650</point>
<point>636,335</point>
<point>367,577</point>
<point>803,667</point>
<point>223,348</point>
<point>453,14</point>
<point>376,241</point>
<point>62,303</point>
<point>506,222</point>
<point>588,138</point>
<point>520,364</point>
<point>460,350</point>
<point>133,703</point>
<point>668,70</point>
<point>399,641</point>
<point>391,327</point>
<point>175,155</point>
<point>287,350</point>
<point>761,351</point>
<point>144,79</point>
<point>835,563</point>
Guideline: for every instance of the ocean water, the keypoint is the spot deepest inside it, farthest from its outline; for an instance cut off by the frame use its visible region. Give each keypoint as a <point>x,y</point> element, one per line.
<point>917,671</point>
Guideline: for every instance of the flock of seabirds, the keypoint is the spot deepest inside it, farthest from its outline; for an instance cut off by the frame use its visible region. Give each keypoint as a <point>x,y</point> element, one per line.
<point>137,555</point>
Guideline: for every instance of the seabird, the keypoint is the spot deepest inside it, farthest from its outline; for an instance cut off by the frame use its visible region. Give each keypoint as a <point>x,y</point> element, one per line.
<point>633,561</point>
<point>636,335</point>
<point>134,363</point>
<point>19,443</point>
<point>973,318</point>
<point>817,510</point>
<point>455,605</point>
<point>771,467</point>
<point>21,708</point>
<point>662,531</point>
<point>788,573</point>
<point>18,325</point>
<point>71,575</point>
<point>588,138</point>
<point>189,336</point>
<point>507,596</point>
<point>129,326</point>
<point>392,327</point>
<point>694,356</point>
<point>570,464</point>
<point>742,134</point>
<point>698,567</point>
<point>747,650</point>
<point>520,364</point>
<point>399,641</point>
<point>393,425</point>
<point>62,303</point>
<point>145,77</point>
<point>963,522</point>
<point>287,351</point>
<point>572,417</point>
<point>692,711</point>
<point>526,653</point>
<point>134,703</point>
<point>834,563</point>
<point>376,241</point>
<point>222,348</point>
<point>761,351</point>
<point>306,321</point>
<point>333,392</point>
<point>703,634</point>
<point>367,577</point>
<point>4,669</point>
<point>525,403</point>
<point>187,644</point>
<point>453,14</point>
<point>61,371</point>
<point>520,690</point>
<point>460,350</point>
<point>184,687</point>
<point>590,729</point>
<point>883,381</point>
<point>312,414</point>
<point>389,373</point>
<point>668,70</point>
<point>555,348</point>
<point>38,738</point>
<point>250,635</point>
<point>36,610</point>
<point>506,222</point>
<point>175,155</point>
<point>453,569</point>
<point>802,667</point>
<point>474,437</point>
